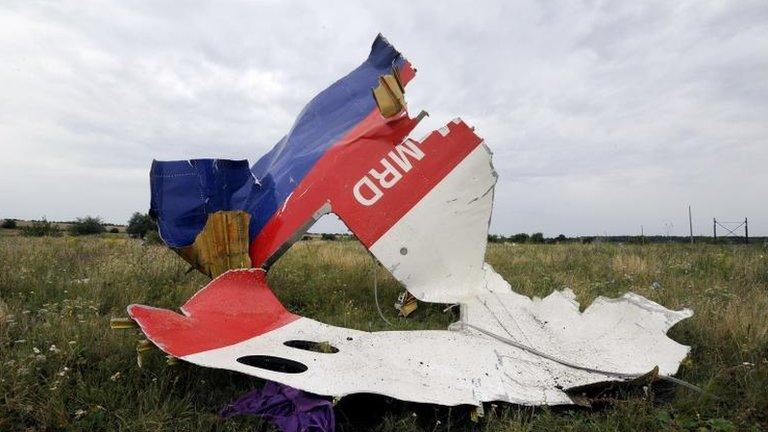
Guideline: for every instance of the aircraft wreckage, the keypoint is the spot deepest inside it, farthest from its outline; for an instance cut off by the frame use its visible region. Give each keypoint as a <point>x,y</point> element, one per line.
<point>422,208</point>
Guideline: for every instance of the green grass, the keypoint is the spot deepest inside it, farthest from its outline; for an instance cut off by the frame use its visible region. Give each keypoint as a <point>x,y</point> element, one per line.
<point>62,368</point>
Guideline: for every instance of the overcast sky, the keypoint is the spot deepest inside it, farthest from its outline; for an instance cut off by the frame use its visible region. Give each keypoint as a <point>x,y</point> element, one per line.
<point>602,117</point>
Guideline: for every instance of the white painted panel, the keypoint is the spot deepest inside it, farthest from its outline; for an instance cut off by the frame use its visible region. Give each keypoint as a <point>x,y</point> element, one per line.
<point>468,367</point>
<point>438,247</point>
<point>506,347</point>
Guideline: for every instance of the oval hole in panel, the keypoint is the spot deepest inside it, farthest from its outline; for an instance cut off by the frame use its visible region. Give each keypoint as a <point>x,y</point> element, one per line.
<point>274,364</point>
<point>318,347</point>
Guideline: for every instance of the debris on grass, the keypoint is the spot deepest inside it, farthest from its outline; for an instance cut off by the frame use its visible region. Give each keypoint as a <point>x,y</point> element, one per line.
<point>422,209</point>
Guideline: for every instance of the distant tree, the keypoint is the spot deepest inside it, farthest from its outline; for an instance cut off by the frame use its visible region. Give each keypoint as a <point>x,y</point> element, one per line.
<point>327,236</point>
<point>139,225</point>
<point>41,228</point>
<point>561,238</point>
<point>9,224</point>
<point>537,238</point>
<point>152,237</point>
<point>87,226</point>
<point>114,230</point>
<point>493,238</point>
<point>519,238</point>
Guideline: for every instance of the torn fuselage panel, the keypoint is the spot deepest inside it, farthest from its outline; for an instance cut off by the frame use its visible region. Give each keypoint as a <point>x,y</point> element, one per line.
<point>428,366</point>
<point>379,184</point>
<point>345,114</point>
<point>423,209</point>
<point>443,261</point>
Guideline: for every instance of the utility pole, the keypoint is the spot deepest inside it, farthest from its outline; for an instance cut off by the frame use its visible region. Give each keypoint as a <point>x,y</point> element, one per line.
<point>690,222</point>
<point>714,228</point>
<point>746,231</point>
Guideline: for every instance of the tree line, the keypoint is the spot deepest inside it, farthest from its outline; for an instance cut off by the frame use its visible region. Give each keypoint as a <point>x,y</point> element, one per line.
<point>139,226</point>
<point>143,226</point>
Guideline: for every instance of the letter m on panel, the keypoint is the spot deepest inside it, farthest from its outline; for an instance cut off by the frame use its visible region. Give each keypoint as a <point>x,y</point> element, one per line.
<point>401,153</point>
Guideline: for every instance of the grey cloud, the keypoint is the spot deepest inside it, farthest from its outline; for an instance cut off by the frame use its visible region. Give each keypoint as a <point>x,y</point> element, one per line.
<point>602,115</point>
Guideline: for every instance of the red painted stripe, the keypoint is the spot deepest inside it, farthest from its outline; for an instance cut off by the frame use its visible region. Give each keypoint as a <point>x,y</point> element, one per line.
<point>333,178</point>
<point>234,307</point>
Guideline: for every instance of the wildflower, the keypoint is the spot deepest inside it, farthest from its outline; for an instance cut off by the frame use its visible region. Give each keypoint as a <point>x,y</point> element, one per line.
<point>40,357</point>
<point>63,371</point>
<point>35,350</point>
<point>79,413</point>
<point>72,342</point>
<point>115,377</point>
<point>54,349</point>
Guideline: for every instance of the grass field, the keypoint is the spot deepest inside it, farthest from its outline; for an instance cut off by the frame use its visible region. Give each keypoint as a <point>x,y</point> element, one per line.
<point>64,369</point>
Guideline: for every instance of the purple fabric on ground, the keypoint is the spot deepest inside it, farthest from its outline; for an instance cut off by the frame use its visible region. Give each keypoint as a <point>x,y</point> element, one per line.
<point>290,409</point>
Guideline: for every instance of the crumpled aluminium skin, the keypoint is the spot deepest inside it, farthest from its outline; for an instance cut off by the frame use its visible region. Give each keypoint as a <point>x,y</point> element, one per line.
<point>422,208</point>
<point>185,192</point>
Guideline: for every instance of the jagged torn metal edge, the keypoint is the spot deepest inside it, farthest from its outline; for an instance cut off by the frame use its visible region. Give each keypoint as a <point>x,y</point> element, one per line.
<point>458,366</point>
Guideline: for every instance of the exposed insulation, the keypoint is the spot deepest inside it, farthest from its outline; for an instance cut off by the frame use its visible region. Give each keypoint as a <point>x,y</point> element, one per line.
<point>222,245</point>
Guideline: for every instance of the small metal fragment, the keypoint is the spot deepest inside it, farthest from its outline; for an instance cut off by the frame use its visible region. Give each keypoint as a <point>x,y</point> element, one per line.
<point>406,303</point>
<point>122,323</point>
<point>143,346</point>
<point>389,94</point>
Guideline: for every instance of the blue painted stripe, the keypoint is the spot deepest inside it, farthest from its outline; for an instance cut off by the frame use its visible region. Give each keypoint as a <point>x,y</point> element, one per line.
<point>185,192</point>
